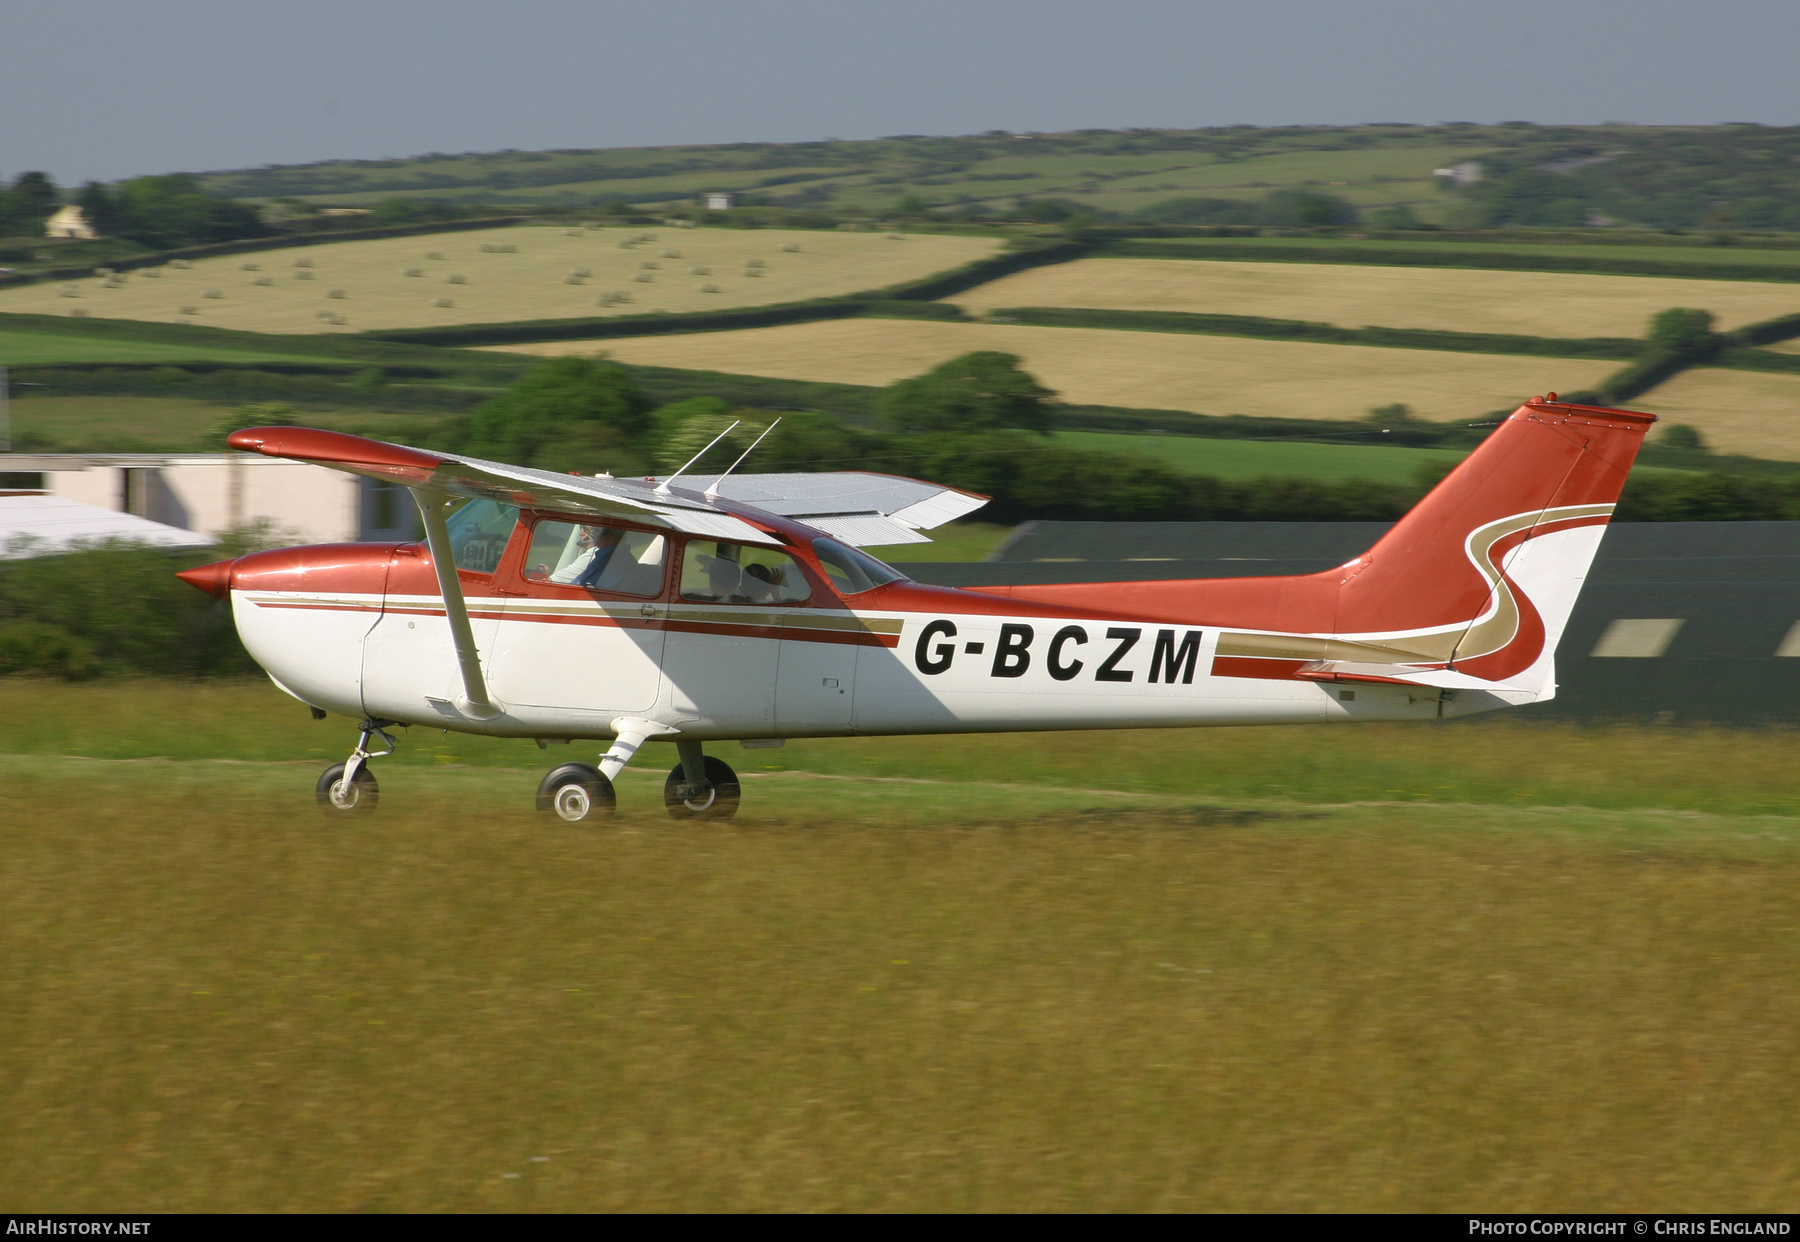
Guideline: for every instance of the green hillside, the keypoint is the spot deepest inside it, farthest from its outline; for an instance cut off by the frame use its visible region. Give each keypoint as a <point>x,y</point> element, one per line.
<point>1706,177</point>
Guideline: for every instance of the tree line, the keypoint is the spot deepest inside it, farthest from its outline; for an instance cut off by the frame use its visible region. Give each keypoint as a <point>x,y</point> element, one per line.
<point>159,212</point>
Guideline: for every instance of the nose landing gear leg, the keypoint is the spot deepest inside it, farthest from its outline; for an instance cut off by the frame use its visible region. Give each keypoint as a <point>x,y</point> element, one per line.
<point>349,788</point>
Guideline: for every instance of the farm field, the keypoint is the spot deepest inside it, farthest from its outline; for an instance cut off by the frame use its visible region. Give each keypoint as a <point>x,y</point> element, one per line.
<point>166,424</point>
<point>1382,968</point>
<point>505,286</point>
<point>1203,374</point>
<point>19,349</point>
<point>1249,459</point>
<point>1563,304</point>
<point>1750,412</point>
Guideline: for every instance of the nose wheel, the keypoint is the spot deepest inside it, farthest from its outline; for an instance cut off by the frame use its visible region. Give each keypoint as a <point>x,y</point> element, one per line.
<point>349,788</point>
<point>356,795</point>
<point>714,798</point>
<point>576,792</point>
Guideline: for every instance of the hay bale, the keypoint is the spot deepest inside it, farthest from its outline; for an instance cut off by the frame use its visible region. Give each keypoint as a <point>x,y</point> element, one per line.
<point>643,278</point>
<point>703,271</point>
<point>580,271</point>
<point>509,248</point>
<point>187,310</point>
<point>69,291</point>
<point>753,271</point>
<point>321,314</point>
<point>711,289</point>
<point>754,263</point>
<point>626,243</point>
<point>571,232</point>
<point>79,312</point>
<point>434,254</point>
<point>413,271</point>
<point>263,280</point>
<point>896,236</point>
<point>444,303</point>
<point>791,247</point>
<point>183,264</point>
<point>249,267</point>
<point>671,254</point>
<point>650,265</point>
<point>458,280</point>
<point>573,280</point>
<point>302,261</point>
<point>213,293</point>
<point>154,273</point>
<point>336,293</point>
<point>489,248</point>
<point>303,274</point>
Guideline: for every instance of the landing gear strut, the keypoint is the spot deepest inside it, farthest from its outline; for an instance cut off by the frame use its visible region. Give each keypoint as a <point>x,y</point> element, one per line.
<point>349,788</point>
<point>701,787</point>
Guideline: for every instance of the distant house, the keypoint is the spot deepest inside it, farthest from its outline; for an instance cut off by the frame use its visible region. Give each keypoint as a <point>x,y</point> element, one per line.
<point>1466,173</point>
<point>346,211</point>
<point>719,201</point>
<point>70,222</point>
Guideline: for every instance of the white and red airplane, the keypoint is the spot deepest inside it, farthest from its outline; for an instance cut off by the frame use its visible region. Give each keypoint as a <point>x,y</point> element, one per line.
<point>738,608</point>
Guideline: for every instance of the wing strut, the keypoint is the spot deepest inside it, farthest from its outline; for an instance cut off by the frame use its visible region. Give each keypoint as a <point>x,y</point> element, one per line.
<point>476,703</point>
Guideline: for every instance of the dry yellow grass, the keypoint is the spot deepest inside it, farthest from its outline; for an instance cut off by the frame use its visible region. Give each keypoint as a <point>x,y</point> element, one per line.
<point>1748,412</point>
<point>1530,303</point>
<point>1203,374</point>
<point>528,283</point>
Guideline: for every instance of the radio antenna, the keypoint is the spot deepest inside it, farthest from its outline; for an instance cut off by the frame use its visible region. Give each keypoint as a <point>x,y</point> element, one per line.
<point>713,491</point>
<point>662,489</point>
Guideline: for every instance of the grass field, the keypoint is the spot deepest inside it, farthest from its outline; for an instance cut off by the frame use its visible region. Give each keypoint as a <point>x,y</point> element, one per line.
<point>502,287</point>
<point>1249,459</point>
<point>167,424</point>
<point>1451,299</point>
<point>1749,412</point>
<point>1472,967</point>
<point>1207,375</point>
<point>18,349</point>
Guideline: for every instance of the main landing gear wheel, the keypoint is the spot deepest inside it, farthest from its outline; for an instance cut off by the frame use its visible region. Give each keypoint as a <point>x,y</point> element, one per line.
<point>576,792</point>
<point>718,802</point>
<point>340,797</point>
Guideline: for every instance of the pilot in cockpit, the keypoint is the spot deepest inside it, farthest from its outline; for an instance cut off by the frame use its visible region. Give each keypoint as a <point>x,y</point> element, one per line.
<point>595,547</point>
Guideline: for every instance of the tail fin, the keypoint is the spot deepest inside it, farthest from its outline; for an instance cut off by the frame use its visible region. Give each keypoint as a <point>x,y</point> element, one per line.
<point>1472,587</point>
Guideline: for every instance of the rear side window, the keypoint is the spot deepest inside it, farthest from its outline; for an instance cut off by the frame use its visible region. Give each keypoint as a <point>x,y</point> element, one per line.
<point>479,533</point>
<point>605,558</point>
<point>850,571</point>
<point>739,573</point>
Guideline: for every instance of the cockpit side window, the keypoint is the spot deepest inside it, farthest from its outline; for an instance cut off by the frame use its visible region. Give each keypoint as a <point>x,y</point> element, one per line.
<point>740,573</point>
<point>597,556</point>
<point>479,533</point>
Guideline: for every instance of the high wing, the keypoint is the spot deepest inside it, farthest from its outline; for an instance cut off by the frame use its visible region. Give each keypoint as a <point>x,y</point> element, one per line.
<point>852,507</point>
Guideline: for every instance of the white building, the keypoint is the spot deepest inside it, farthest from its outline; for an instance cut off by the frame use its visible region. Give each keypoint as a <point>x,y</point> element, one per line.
<point>70,221</point>
<point>211,493</point>
<point>718,201</point>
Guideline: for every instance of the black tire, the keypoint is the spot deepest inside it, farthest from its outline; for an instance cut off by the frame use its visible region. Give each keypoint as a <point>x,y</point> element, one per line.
<point>360,798</point>
<point>722,802</point>
<point>575,793</point>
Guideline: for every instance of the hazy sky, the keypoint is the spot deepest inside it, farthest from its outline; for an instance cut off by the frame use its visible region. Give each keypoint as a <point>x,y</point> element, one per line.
<point>114,88</point>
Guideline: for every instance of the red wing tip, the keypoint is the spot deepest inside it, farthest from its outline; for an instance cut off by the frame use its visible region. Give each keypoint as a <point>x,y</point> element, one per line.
<point>335,447</point>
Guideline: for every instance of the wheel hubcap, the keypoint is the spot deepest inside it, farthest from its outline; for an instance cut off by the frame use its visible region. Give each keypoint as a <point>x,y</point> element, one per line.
<point>345,795</point>
<point>572,802</point>
<point>701,804</point>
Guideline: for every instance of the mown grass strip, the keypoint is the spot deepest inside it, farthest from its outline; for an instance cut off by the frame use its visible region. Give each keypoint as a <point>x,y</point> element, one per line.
<point>1545,259</point>
<point>1302,330</point>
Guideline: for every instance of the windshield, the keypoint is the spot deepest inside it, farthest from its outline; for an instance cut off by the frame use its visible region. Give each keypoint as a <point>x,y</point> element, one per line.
<point>850,571</point>
<point>479,532</point>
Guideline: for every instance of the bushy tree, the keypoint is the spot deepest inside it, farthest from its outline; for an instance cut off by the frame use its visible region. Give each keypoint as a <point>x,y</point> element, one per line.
<point>976,392</point>
<point>565,414</point>
<point>27,203</point>
<point>168,211</point>
<point>1683,330</point>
